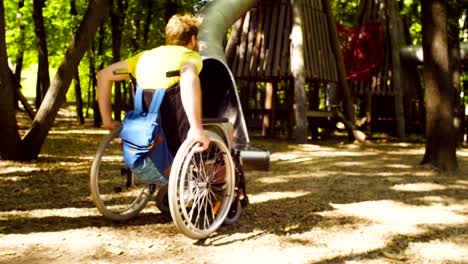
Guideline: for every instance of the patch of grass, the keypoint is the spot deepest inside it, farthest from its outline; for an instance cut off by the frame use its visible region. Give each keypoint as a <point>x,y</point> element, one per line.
<point>28,81</point>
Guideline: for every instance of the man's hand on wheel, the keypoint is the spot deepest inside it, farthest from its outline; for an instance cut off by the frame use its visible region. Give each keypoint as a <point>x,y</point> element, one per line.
<point>111,125</point>
<point>200,136</point>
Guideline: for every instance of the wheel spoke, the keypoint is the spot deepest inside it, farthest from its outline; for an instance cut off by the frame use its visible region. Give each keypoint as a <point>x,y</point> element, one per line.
<point>111,183</point>
<point>202,187</point>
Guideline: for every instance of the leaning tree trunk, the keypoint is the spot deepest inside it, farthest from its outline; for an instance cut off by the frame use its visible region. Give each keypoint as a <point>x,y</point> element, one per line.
<point>43,80</point>
<point>10,140</point>
<point>55,96</point>
<point>440,132</point>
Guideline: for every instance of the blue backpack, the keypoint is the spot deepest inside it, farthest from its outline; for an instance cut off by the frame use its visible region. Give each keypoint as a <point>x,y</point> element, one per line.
<point>143,137</point>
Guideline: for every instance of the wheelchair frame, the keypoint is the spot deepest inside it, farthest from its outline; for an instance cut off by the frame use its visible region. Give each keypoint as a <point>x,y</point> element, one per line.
<point>197,204</point>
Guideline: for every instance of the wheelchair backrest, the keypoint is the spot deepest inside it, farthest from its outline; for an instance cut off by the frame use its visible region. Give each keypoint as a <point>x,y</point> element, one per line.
<point>220,98</point>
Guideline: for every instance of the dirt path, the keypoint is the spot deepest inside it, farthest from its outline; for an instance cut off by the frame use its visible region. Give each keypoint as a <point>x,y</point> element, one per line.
<point>319,203</point>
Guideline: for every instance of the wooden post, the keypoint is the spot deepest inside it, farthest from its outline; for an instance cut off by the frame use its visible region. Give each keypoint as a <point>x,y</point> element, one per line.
<point>345,93</point>
<point>394,33</point>
<point>270,116</point>
<point>298,72</point>
<point>266,128</point>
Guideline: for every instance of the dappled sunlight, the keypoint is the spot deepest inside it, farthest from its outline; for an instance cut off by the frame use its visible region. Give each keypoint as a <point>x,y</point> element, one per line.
<point>11,168</point>
<point>401,218</point>
<point>79,132</point>
<point>270,196</point>
<point>437,251</point>
<point>418,187</point>
<point>70,212</point>
<point>318,203</point>
<point>462,183</point>
<point>462,152</point>
<point>399,166</point>
<point>427,187</point>
<point>40,213</point>
<point>349,163</point>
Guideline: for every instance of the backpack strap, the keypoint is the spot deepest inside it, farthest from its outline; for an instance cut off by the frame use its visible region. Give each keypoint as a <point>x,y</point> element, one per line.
<point>138,100</point>
<point>156,101</point>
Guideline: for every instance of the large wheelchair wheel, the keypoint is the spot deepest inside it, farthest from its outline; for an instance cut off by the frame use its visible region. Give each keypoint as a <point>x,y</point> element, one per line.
<point>113,188</point>
<point>201,187</point>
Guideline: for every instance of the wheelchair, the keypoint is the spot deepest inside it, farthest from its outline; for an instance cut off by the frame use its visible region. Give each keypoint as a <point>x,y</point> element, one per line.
<point>205,190</point>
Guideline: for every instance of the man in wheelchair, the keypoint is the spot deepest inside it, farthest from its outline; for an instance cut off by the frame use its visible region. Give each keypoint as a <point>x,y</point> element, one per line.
<point>150,69</point>
<point>206,186</point>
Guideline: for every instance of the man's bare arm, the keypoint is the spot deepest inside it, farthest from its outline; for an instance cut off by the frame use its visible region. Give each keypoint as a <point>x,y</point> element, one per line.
<point>190,91</point>
<point>105,79</point>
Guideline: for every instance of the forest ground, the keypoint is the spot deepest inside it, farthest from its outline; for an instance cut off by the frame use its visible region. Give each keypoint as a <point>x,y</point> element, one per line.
<point>323,202</point>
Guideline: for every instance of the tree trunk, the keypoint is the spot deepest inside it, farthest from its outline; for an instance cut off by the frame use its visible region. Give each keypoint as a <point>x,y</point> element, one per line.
<point>440,132</point>
<point>92,80</point>
<point>100,53</point>
<point>116,28</point>
<point>43,80</point>
<point>171,9</point>
<point>146,27</point>
<point>455,68</point>
<point>79,100</point>
<point>55,96</point>
<point>19,58</point>
<point>395,44</point>
<point>10,140</point>
<point>297,69</point>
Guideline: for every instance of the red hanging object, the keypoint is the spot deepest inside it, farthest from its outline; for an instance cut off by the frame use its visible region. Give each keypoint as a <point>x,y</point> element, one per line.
<point>362,50</point>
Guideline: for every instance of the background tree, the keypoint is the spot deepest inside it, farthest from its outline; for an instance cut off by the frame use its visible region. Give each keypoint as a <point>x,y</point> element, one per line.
<point>43,79</point>
<point>9,137</point>
<point>440,132</point>
<point>30,146</point>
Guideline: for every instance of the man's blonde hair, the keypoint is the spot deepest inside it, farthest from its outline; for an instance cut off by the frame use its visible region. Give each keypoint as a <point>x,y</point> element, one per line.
<point>180,29</point>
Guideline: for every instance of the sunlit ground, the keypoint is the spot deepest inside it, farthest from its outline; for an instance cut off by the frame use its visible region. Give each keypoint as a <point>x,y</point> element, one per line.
<point>319,203</point>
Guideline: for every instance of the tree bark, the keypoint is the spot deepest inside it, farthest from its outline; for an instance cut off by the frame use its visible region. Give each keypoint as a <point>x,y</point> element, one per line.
<point>100,53</point>
<point>455,12</point>
<point>10,140</point>
<point>395,36</point>
<point>440,133</point>
<point>297,69</point>
<point>116,28</point>
<point>79,100</point>
<point>171,9</point>
<point>149,17</point>
<point>19,58</point>
<point>116,44</point>
<point>43,80</point>
<point>55,96</point>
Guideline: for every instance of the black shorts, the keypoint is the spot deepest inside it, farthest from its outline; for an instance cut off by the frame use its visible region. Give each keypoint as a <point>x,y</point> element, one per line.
<point>172,115</point>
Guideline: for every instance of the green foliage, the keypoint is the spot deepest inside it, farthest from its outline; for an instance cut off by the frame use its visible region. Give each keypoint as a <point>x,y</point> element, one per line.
<point>345,12</point>
<point>138,17</point>
<point>411,12</point>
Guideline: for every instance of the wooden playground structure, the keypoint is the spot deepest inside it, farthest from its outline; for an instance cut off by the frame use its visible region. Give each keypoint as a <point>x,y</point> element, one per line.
<point>351,75</point>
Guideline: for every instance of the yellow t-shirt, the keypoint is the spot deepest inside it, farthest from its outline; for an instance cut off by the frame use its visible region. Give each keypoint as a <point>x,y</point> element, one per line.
<point>150,67</point>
